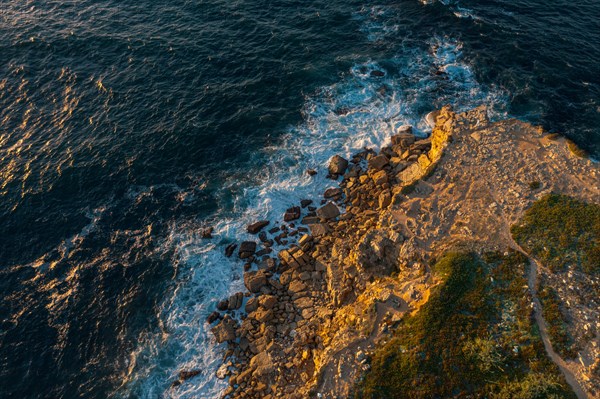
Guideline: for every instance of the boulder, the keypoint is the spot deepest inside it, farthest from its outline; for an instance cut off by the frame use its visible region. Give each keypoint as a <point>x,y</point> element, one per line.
<point>252,305</point>
<point>254,281</point>
<point>262,315</point>
<point>305,202</point>
<point>256,227</point>
<point>403,140</point>
<point>332,192</point>
<point>310,220</point>
<point>378,162</point>
<point>297,286</point>
<point>385,199</point>
<point>223,305</point>
<point>303,303</point>
<point>292,213</point>
<point>214,316</point>
<point>421,145</point>
<point>262,364</point>
<point>235,301</point>
<point>305,239</point>
<point>319,229</point>
<point>328,211</point>
<point>268,301</point>
<point>431,118</point>
<point>225,330</point>
<point>404,129</point>
<point>229,250</point>
<point>247,249</point>
<point>187,374</point>
<point>380,178</point>
<point>337,165</point>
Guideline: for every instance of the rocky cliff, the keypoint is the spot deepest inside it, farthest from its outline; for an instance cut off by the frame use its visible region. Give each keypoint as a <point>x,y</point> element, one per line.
<point>352,271</point>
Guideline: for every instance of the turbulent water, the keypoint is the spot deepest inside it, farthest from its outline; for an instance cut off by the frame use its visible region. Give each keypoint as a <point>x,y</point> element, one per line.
<point>125,127</point>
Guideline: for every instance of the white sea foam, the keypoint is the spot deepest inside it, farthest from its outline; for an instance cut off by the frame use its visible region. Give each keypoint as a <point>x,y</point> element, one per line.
<point>361,110</point>
<point>455,7</point>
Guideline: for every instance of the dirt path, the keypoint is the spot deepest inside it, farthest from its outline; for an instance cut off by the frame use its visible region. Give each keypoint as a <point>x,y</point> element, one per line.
<point>539,319</point>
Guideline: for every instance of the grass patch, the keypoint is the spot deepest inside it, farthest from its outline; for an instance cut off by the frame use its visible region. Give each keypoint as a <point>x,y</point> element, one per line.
<point>473,338</point>
<point>561,231</point>
<point>562,342</point>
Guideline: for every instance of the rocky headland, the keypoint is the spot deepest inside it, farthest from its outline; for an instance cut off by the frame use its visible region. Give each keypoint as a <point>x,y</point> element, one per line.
<point>336,289</point>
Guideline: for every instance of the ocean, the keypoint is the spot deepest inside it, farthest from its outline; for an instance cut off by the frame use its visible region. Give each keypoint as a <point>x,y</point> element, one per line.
<point>126,127</point>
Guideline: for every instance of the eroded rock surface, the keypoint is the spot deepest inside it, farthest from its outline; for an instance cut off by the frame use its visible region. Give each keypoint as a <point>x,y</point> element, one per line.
<point>335,293</point>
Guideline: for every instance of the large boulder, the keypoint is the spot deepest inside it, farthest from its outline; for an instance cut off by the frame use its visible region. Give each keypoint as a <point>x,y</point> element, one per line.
<point>385,199</point>
<point>337,165</point>
<point>225,330</point>
<point>333,192</point>
<point>292,213</point>
<point>380,178</point>
<point>247,249</point>
<point>319,229</point>
<point>378,162</point>
<point>403,139</point>
<point>328,211</point>
<point>235,301</point>
<point>256,227</point>
<point>262,364</point>
<point>252,305</point>
<point>254,281</point>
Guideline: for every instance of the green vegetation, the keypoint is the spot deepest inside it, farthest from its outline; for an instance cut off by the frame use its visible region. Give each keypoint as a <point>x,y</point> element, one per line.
<point>576,150</point>
<point>562,341</point>
<point>473,338</point>
<point>561,231</point>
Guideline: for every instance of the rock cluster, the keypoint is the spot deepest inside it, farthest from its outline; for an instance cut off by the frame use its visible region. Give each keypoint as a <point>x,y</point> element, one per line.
<point>318,286</point>
<point>323,263</point>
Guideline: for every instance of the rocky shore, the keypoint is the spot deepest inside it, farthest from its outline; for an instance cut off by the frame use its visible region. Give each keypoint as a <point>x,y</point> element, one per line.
<point>328,283</point>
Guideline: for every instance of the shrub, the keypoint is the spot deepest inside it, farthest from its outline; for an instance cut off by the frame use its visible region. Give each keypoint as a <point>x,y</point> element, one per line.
<point>561,231</point>
<point>562,341</point>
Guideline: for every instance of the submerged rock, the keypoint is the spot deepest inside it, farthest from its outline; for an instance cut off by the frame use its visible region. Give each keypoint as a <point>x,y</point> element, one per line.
<point>229,250</point>
<point>206,232</point>
<point>305,202</point>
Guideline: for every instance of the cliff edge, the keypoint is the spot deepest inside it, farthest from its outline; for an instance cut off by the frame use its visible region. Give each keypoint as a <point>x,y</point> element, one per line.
<point>354,272</point>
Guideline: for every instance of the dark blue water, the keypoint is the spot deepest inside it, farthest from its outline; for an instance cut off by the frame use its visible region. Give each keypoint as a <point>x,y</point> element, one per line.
<point>125,127</point>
